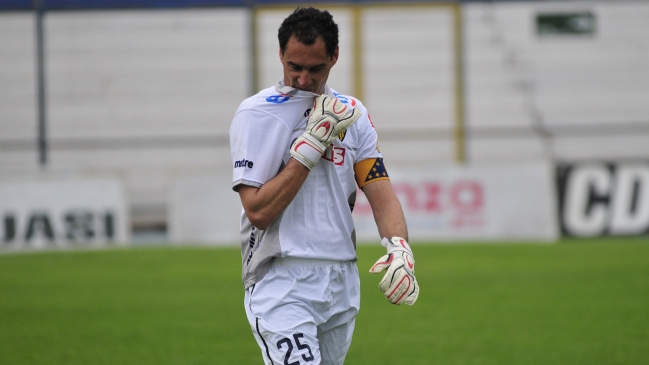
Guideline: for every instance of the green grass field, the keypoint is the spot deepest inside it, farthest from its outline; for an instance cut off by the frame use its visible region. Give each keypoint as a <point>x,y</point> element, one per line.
<point>574,302</point>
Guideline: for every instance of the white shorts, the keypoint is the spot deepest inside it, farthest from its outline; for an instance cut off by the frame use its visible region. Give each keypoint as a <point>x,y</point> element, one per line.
<point>303,311</point>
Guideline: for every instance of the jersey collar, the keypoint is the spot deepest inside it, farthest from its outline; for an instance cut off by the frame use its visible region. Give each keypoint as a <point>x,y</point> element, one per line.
<point>281,88</point>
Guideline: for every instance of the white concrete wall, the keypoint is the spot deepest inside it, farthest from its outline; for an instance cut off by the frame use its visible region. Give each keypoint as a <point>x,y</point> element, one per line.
<point>144,73</point>
<point>409,87</point>
<point>18,93</point>
<point>516,78</point>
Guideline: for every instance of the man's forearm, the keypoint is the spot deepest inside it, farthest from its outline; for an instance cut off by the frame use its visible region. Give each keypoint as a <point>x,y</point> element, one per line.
<point>387,210</point>
<point>263,205</point>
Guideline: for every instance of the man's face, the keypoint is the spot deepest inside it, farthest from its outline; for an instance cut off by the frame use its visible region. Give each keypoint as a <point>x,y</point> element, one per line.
<point>307,67</point>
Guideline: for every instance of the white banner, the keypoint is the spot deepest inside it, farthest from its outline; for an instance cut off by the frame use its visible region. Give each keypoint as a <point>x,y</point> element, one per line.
<point>442,204</point>
<point>513,202</point>
<point>62,213</point>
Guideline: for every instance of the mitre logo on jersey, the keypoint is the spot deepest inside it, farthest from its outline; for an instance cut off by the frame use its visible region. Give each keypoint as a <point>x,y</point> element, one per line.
<point>278,99</point>
<point>243,163</point>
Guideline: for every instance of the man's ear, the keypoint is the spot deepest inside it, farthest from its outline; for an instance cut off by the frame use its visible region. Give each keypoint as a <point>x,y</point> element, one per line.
<point>334,57</point>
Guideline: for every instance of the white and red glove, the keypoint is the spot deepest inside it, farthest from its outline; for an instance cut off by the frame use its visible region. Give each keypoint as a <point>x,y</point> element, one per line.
<point>328,118</point>
<point>398,284</point>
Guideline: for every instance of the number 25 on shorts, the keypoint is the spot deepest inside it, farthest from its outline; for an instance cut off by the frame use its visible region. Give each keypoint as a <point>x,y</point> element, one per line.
<point>286,343</point>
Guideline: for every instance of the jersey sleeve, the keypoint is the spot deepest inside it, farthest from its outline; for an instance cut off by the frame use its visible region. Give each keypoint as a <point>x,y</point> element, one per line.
<point>258,143</point>
<point>370,167</point>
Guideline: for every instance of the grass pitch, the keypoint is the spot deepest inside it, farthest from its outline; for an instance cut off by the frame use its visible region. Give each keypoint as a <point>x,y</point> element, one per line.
<point>574,302</point>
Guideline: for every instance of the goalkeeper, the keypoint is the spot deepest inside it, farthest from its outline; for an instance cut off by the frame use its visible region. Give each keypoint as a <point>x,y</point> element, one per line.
<point>299,152</point>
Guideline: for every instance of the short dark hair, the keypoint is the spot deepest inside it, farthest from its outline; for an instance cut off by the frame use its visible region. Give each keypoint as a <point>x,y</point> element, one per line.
<point>307,24</point>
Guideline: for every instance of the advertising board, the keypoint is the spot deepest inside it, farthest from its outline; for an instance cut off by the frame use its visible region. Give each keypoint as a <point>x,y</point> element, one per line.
<point>455,203</point>
<point>62,213</point>
<point>604,198</point>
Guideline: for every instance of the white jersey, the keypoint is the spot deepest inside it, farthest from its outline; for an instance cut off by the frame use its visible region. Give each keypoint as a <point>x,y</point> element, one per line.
<point>318,223</point>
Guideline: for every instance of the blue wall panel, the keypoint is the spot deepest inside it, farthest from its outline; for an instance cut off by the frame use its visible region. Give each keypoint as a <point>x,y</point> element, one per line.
<point>130,4</point>
<point>16,4</point>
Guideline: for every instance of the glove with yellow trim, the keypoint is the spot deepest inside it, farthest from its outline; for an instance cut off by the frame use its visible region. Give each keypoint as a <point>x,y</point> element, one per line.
<point>328,118</point>
<point>398,284</point>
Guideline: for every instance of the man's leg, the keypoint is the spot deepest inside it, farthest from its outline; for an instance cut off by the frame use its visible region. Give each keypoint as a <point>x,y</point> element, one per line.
<point>335,335</point>
<point>335,342</point>
<point>283,326</point>
<point>286,343</point>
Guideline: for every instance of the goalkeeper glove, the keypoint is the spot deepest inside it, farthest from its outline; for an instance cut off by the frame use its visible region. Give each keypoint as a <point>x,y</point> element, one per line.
<point>328,118</point>
<point>398,284</point>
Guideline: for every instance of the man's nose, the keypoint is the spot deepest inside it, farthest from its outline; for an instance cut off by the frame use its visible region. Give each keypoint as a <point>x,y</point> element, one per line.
<point>303,79</point>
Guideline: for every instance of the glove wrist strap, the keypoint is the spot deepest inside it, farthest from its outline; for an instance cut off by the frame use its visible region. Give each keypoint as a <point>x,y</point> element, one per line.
<point>395,243</point>
<point>307,150</point>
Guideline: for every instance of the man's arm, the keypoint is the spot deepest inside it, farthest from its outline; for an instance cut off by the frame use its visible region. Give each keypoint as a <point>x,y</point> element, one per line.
<point>386,209</point>
<point>398,284</point>
<point>263,205</point>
